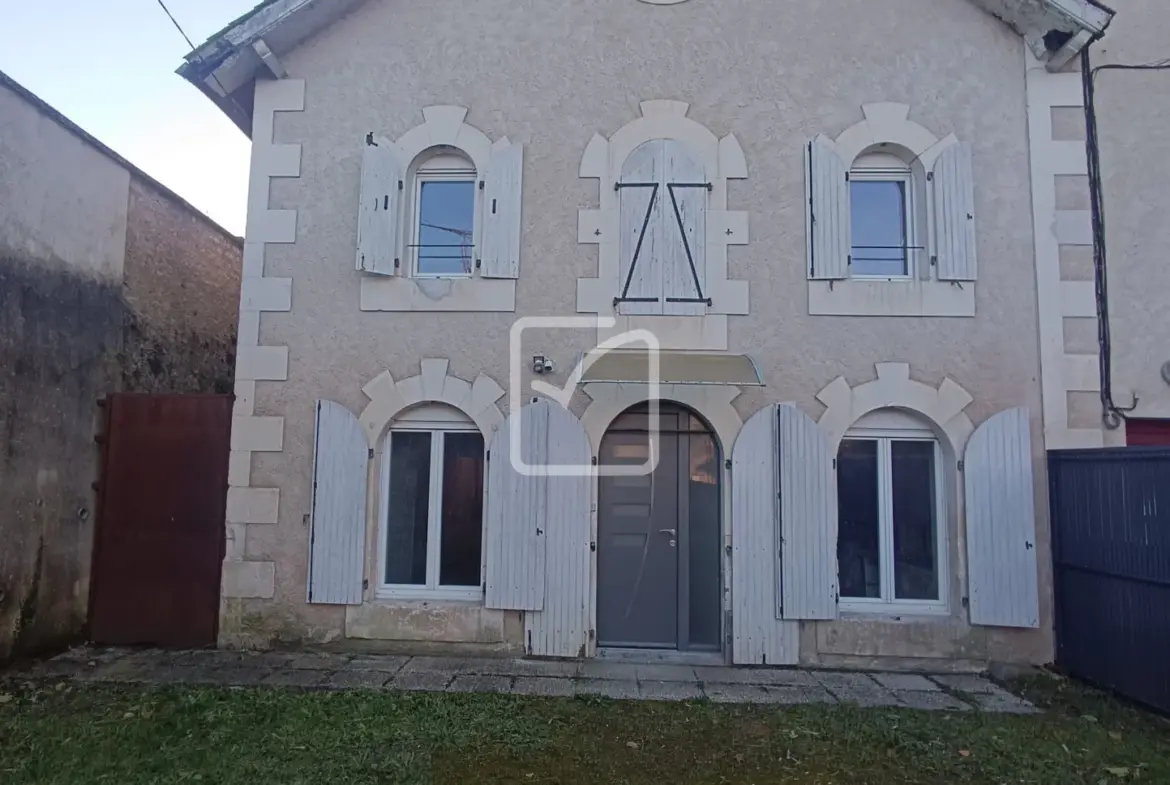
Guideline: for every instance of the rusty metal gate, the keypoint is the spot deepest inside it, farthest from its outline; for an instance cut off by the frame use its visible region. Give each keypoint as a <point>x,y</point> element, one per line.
<point>1111,560</point>
<point>159,536</point>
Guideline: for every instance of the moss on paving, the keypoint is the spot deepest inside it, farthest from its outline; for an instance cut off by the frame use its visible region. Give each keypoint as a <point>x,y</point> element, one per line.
<point>90,733</point>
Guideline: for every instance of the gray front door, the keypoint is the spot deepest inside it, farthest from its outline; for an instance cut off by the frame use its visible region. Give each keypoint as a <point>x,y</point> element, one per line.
<point>658,561</point>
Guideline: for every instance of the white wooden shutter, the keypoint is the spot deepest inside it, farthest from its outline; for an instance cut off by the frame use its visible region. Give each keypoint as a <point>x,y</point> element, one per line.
<point>954,214</point>
<point>808,518</point>
<point>1001,523</point>
<point>758,637</point>
<point>683,229</point>
<point>829,223</point>
<point>337,536</point>
<point>378,208</point>
<point>503,191</point>
<point>516,512</point>
<point>641,200</point>
<point>561,627</point>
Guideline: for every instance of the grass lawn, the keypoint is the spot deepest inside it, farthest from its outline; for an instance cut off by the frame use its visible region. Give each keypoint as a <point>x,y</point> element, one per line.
<point>90,733</point>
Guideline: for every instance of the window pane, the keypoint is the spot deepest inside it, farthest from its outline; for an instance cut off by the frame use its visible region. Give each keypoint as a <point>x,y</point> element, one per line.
<point>879,227</point>
<point>459,556</point>
<point>446,218</point>
<point>915,547</point>
<point>410,487</point>
<point>858,549</point>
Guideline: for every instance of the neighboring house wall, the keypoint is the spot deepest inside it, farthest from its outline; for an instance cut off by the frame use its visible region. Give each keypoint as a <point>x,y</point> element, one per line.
<point>1133,114</point>
<point>762,76</point>
<point>182,288</point>
<point>72,241</point>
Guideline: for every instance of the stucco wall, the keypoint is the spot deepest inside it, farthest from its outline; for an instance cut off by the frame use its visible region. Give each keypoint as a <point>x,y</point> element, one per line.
<point>62,234</point>
<point>551,75</point>
<point>1133,111</point>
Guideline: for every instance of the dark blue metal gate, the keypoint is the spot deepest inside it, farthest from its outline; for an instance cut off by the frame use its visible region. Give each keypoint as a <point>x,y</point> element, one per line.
<point>1111,559</point>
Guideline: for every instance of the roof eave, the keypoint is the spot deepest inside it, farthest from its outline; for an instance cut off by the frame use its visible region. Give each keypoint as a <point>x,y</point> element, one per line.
<point>1055,30</point>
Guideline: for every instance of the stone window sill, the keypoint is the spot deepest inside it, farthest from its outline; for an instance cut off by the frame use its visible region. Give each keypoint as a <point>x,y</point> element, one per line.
<point>385,293</point>
<point>891,298</point>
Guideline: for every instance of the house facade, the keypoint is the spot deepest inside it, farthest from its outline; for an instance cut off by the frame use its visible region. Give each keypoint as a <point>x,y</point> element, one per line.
<point>109,282</point>
<point>821,273</point>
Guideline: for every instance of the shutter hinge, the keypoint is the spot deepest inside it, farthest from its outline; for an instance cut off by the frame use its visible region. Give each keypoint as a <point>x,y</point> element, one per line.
<point>930,177</point>
<point>481,185</point>
<point>370,454</point>
<point>488,455</point>
<point>365,584</point>
<point>397,264</point>
<point>834,464</point>
<point>370,139</point>
<point>592,634</point>
<point>849,260</point>
<point>593,460</point>
<point>962,465</point>
<point>593,546</point>
<point>966,602</point>
<point>478,263</point>
<point>934,261</point>
<point>401,186</point>
<point>847,177</point>
<point>727,464</point>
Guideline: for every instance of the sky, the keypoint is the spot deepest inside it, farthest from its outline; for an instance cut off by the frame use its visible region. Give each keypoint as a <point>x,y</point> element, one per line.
<point>109,66</point>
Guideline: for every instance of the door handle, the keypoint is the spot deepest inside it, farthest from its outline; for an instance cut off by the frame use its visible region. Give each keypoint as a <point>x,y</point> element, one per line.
<point>671,532</point>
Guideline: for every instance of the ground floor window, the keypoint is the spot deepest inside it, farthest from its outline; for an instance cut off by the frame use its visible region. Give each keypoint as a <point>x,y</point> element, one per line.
<point>891,543</point>
<point>432,511</point>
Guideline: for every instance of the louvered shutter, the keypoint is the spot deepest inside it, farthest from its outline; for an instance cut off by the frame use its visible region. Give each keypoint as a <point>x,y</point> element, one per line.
<point>378,208</point>
<point>503,192</point>
<point>1001,523</point>
<point>561,627</point>
<point>683,213</point>
<point>829,222</point>
<point>808,518</point>
<point>641,200</point>
<point>516,513</point>
<point>954,214</point>
<point>758,636</point>
<point>338,528</point>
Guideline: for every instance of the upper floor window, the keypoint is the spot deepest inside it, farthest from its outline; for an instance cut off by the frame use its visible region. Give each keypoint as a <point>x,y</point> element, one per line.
<point>888,201</point>
<point>663,195</point>
<point>444,216</point>
<point>882,206</point>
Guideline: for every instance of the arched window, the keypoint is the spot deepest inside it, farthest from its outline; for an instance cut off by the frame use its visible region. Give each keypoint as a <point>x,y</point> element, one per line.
<point>431,520</point>
<point>885,193</point>
<point>444,207</point>
<point>891,534</point>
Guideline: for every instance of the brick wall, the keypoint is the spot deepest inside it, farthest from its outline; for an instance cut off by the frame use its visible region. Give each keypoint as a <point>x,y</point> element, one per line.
<point>181,284</point>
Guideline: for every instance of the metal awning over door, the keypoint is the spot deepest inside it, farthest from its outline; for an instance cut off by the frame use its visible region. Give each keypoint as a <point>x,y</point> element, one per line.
<point>674,367</point>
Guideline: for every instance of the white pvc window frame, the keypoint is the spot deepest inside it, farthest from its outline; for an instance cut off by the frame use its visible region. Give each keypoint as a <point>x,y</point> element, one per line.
<point>425,171</point>
<point>888,604</point>
<point>910,207</point>
<point>431,590</point>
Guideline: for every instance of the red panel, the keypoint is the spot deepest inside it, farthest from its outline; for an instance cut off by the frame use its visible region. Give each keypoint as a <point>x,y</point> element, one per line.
<point>159,542</point>
<point>1147,433</point>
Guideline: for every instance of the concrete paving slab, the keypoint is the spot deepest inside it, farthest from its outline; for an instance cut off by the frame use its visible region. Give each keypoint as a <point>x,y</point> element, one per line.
<point>669,691</point>
<point>445,665</point>
<point>389,664</point>
<point>735,693</point>
<point>778,676</point>
<point>906,681</point>
<point>845,680</point>
<point>597,669</point>
<point>968,683</point>
<point>626,689</point>
<point>547,687</point>
<point>229,676</point>
<point>519,667</point>
<point>356,679</point>
<point>318,662</point>
<point>682,673</point>
<point>428,681</point>
<point>930,701</point>
<point>480,683</point>
<point>289,677</point>
<point>1002,701</point>
<point>794,696</point>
